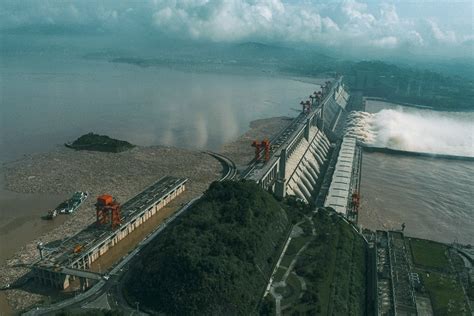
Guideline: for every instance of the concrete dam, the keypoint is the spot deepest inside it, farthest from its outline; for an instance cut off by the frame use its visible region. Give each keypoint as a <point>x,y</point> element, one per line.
<point>302,156</point>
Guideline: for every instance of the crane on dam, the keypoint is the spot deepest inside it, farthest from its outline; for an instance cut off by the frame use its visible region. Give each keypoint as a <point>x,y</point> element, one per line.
<point>265,144</point>
<point>108,211</point>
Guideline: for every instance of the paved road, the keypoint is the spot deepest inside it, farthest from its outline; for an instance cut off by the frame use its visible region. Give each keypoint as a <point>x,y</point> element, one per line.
<point>229,166</point>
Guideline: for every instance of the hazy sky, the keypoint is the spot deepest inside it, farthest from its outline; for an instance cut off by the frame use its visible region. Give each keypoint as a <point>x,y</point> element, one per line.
<point>438,27</point>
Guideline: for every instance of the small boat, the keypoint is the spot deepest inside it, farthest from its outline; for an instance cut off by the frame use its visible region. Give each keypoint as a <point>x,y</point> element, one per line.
<point>68,206</point>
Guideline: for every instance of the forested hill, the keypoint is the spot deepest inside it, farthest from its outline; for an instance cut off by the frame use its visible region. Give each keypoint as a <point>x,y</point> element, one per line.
<point>410,85</point>
<point>216,258</point>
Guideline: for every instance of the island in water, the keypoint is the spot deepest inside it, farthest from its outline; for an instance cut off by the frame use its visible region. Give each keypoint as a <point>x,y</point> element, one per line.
<point>96,142</point>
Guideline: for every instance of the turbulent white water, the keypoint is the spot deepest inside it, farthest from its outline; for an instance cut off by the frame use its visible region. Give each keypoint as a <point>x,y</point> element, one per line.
<point>448,133</point>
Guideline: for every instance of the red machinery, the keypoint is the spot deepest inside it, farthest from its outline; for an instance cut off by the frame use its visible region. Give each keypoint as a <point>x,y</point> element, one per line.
<point>266,145</point>
<point>306,106</point>
<point>319,95</point>
<point>355,202</point>
<point>256,144</point>
<point>108,211</point>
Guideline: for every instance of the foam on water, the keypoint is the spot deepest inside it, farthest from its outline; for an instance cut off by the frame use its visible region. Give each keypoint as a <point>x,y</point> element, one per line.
<point>448,133</point>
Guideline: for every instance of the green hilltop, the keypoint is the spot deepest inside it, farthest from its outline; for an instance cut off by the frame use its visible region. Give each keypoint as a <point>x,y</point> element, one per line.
<point>216,258</point>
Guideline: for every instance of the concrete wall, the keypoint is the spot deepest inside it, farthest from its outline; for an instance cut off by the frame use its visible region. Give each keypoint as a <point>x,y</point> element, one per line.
<point>51,278</point>
<point>304,167</point>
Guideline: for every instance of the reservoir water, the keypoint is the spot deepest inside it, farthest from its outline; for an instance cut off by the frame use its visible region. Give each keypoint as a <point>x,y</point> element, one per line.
<point>434,197</point>
<point>49,99</point>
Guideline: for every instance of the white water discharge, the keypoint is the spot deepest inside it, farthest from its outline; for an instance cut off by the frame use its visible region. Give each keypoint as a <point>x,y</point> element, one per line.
<point>448,133</point>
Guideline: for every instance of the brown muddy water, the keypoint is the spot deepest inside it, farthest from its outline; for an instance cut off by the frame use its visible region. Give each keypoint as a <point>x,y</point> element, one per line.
<point>434,197</point>
<point>21,218</point>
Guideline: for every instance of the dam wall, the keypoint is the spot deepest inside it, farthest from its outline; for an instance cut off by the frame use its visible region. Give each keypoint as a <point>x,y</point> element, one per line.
<point>304,167</point>
<point>300,153</point>
<point>340,190</point>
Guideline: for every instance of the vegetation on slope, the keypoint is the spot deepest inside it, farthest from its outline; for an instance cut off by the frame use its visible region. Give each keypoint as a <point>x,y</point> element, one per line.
<point>97,142</point>
<point>439,270</point>
<point>91,312</point>
<point>216,258</point>
<point>429,254</point>
<point>323,270</point>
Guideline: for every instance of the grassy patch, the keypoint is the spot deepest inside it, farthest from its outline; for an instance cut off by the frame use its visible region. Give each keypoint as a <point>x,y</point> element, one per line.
<point>296,244</point>
<point>333,267</point>
<point>279,274</point>
<point>286,261</point>
<point>294,290</point>
<point>429,254</point>
<point>446,294</point>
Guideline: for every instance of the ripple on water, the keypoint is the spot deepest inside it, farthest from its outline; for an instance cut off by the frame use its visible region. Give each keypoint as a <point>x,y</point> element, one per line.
<point>434,197</point>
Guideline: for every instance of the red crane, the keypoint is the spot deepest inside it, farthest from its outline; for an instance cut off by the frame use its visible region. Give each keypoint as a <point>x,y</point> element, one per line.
<point>306,106</point>
<point>355,202</point>
<point>108,211</point>
<point>258,145</point>
<point>266,145</point>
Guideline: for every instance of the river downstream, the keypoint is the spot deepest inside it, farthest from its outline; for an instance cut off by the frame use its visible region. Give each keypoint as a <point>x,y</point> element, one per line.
<point>434,197</point>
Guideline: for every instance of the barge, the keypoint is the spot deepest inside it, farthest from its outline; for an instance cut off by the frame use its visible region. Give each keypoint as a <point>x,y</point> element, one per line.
<point>69,206</point>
